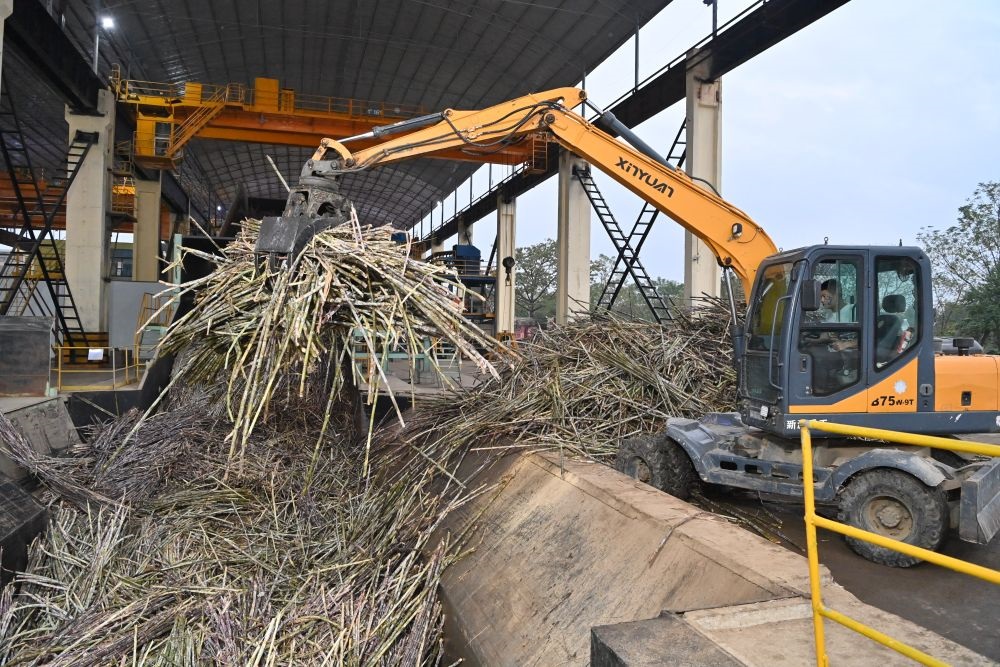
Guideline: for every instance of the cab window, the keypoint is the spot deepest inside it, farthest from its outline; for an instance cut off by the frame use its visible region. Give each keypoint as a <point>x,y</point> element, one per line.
<point>830,336</point>
<point>897,315</point>
<point>768,310</point>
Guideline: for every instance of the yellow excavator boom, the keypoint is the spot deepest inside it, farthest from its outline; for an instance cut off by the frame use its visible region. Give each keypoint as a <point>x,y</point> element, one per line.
<point>733,236</point>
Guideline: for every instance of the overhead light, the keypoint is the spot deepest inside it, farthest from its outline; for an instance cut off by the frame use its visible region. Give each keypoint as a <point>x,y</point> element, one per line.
<point>107,22</point>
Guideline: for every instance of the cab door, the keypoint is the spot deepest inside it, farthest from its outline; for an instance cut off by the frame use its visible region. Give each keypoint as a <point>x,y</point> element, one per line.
<point>827,372</point>
<point>899,327</point>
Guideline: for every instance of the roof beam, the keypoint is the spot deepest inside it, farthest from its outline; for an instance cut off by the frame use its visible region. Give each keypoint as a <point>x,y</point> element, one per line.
<point>763,27</point>
<point>50,52</point>
<point>41,40</point>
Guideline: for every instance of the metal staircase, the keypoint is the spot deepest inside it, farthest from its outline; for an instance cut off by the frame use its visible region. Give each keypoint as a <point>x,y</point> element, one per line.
<point>194,123</point>
<point>35,253</point>
<point>539,161</point>
<point>492,270</point>
<point>123,201</point>
<point>678,149</point>
<point>627,263</point>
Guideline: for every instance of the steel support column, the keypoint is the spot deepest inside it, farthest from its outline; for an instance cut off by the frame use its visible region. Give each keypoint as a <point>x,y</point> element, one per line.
<point>48,49</point>
<point>6,7</point>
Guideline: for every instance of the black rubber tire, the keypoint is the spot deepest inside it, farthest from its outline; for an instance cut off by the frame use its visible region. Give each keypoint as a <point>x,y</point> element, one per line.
<point>895,504</point>
<point>658,461</point>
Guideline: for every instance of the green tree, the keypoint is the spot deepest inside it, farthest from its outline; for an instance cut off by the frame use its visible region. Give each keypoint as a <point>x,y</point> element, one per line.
<point>535,287</point>
<point>980,312</point>
<point>966,259</point>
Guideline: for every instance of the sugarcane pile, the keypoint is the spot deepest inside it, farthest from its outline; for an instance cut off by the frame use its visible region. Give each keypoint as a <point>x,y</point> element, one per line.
<point>253,519</point>
<point>584,387</point>
<point>249,520</point>
<point>266,335</point>
<point>152,559</point>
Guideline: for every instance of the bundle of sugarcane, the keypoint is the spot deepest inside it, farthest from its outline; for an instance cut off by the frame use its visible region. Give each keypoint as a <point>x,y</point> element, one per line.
<point>269,334</point>
<point>159,554</point>
<point>585,386</point>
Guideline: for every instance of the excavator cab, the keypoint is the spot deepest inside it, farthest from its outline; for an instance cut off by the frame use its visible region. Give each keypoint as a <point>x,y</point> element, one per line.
<point>845,333</point>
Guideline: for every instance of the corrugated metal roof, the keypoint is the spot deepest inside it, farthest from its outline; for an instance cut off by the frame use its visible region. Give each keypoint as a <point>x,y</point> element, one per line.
<point>431,53</point>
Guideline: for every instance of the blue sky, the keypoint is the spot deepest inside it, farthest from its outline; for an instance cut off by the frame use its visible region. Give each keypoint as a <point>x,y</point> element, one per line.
<point>875,121</point>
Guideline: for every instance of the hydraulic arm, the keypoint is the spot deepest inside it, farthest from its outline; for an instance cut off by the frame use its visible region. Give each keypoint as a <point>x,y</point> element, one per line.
<point>736,240</point>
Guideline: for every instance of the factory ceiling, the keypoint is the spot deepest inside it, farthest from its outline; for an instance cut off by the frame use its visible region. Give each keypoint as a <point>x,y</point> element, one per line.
<point>429,53</point>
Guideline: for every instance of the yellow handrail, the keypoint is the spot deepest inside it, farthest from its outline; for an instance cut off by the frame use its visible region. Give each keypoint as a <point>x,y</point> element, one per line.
<point>130,368</point>
<point>196,121</point>
<point>155,310</point>
<point>813,521</point>
<point>285,100</point>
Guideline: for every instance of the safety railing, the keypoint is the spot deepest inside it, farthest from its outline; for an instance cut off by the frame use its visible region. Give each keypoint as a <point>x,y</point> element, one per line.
<point>123,195</point>
<point>94,368</point>
<point>156,312</point>
<point>465,267</point>
<point>814,521</point>
<point>284,100</point>
<point>371,357</point>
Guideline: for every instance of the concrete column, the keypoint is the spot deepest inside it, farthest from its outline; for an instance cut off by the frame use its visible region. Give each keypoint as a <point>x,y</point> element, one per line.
<point>704,160</point>
<point>146,239</point>
<point>573,242</point>
<point>87,237</point>
<point>506,226</point>
<point>437,245</point>
<point>464,233</point>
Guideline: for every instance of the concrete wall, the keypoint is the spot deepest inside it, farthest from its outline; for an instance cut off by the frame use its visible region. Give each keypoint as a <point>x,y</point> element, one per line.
<point>557,551</point>
<point>44,422</point>
<point>124,300</point>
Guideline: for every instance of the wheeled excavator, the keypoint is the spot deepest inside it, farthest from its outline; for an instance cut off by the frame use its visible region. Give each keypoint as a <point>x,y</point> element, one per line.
<point>838,333</point>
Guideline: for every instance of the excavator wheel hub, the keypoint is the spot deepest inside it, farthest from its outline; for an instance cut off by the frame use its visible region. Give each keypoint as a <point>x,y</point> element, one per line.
<point>891,516</point>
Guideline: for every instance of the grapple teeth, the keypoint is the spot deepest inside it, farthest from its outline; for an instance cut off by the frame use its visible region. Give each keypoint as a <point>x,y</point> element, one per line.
<point>282,239</point>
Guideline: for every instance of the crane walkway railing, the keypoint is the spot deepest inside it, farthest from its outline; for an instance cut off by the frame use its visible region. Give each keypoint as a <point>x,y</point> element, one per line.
<point>813,521</point>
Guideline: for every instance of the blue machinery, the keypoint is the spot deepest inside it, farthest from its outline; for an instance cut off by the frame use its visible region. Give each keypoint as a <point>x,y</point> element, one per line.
<point>467,261</point>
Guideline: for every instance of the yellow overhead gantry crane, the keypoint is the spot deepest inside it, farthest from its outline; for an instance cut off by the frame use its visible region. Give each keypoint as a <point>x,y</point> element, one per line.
<point>169,116</point>
<point>832,333</point>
